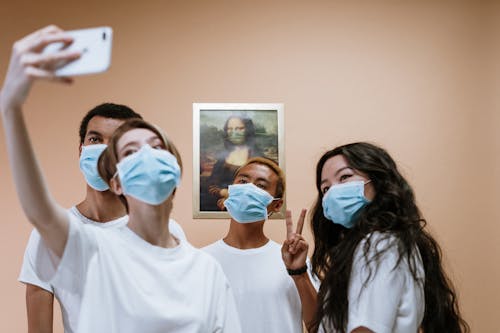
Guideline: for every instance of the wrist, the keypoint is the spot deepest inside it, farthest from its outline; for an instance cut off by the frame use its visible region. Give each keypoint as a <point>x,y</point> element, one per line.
<point>297,272</point>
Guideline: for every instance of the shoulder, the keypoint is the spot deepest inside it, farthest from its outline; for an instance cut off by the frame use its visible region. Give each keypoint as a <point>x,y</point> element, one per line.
<point>34,238</point>
<point>375,249</point>
<point>214,247</point>
<point>204,259</point>
<point>274,245</point>
<point>176,229</point>
<point>377,242</point>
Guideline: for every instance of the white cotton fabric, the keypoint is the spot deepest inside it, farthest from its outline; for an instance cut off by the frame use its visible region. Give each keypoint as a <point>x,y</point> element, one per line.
<point>128,285</point>
<point>38,261</point>
<point>392,301</point>
<point>266,297</point>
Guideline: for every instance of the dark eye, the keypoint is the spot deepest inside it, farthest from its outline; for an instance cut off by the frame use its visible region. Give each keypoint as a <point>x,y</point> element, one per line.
<point>94,140</point>
<point>344,178</point>
<point>324,189</point>
<point>128,152</point>
<point>262,186</point>
<point>242,181</point>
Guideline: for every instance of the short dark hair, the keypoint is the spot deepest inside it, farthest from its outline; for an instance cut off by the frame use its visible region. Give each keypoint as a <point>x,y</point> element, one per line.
<point>107,110</point>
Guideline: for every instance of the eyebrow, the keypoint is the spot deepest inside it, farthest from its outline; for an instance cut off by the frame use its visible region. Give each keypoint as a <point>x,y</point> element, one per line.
<point>336,173</point>
<point>342,169</point>
<point>93,133</point>
<point>136,143</point>
<point>247,176</point>
<point>132,143</point>
<point>155,138</point>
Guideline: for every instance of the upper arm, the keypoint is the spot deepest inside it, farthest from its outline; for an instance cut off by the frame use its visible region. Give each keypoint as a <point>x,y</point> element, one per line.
<point>55,233</point>
<point>39,307</point>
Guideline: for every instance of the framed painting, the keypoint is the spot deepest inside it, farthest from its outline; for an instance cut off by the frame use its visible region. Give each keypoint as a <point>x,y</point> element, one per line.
<point>225,136</point>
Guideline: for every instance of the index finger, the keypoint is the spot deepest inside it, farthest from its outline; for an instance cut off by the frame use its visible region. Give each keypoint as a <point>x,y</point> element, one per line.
<point>33,40</point>
<point>300,222</point>
<point>289,224</point>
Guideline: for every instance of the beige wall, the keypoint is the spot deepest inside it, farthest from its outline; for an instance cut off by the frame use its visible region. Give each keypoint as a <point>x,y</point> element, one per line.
<point>421,78</point>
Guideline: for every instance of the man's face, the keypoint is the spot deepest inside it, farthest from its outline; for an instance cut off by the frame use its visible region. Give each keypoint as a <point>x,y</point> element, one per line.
<point>100,129</point>
<point>260,175</point>
<point>263,177</point>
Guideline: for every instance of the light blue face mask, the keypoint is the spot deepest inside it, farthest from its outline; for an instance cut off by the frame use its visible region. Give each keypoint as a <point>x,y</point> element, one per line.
<point>149,175</point>
<point>342,202</point>
<point>88,165</point>
<point>247,203</point>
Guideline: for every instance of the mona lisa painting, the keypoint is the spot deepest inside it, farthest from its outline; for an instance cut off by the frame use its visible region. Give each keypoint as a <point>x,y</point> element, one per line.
<point>225,136</point>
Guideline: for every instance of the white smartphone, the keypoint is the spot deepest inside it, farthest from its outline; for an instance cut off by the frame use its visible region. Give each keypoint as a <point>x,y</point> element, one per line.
<point>95,45</point>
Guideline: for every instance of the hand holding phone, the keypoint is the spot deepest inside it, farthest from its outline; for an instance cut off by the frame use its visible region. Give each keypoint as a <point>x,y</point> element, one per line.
<point>95,47</point>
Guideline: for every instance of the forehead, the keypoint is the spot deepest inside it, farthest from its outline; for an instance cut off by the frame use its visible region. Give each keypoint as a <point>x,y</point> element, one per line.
<point>235,122</point>
<point>332,165</point>
<point>137,135</point>
<point>256,171</point>
<point>103,125</point>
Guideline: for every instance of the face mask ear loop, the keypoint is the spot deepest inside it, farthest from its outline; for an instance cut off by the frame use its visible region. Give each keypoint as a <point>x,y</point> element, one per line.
<point>271,212</point>
<point>368,181</point>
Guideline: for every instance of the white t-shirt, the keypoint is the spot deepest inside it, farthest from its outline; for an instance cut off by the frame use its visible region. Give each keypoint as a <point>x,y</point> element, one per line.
<point>266,296</point>
<point>128,285</point>
<point>392,301</point>
<point>35,256</point>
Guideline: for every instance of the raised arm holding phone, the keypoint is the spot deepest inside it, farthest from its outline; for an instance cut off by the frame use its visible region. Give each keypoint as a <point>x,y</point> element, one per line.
<point>136,277</point>
<point>28,64</point>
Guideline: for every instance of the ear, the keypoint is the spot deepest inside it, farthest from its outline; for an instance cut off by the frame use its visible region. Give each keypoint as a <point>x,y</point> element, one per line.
<point>80,149</point>
<point>276,206</point>
<point>115,186</point>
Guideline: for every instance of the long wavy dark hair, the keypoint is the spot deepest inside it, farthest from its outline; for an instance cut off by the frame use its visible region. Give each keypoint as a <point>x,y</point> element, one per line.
<point>392,212</point>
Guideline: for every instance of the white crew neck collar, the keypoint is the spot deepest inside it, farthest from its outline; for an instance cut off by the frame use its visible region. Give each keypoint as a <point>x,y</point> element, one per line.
<point>109,224</point>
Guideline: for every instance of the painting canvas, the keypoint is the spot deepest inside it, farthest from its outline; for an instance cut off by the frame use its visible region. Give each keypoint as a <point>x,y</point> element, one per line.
<point>225,136</point>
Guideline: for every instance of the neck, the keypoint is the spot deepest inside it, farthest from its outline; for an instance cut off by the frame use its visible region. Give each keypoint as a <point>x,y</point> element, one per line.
<point>101,206</point>
<point>246,236</point>
<point>151,223</point>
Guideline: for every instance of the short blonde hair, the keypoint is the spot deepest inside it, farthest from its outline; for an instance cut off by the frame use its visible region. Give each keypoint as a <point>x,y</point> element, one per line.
<point>281,184</point>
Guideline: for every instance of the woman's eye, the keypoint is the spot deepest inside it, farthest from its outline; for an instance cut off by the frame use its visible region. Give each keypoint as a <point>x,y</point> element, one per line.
<point>242,181</point>
<point>158,146</point>
<point>325,189</point>
<point>93,140</point>
<point>128,152</point>
<point>344,177</point>
<point>262,186</point>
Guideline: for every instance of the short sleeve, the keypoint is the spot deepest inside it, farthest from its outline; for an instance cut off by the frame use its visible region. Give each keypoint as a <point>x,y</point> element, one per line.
<point>313,277</point>
<point>35,255</point>
<point>70,272</point>
<point>374,296</point>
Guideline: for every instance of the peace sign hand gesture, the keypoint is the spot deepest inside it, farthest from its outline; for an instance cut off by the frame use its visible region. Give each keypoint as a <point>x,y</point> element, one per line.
<point>295,247</point>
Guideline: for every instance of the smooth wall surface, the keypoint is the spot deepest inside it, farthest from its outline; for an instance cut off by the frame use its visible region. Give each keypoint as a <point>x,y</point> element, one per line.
<point>421,78</point>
